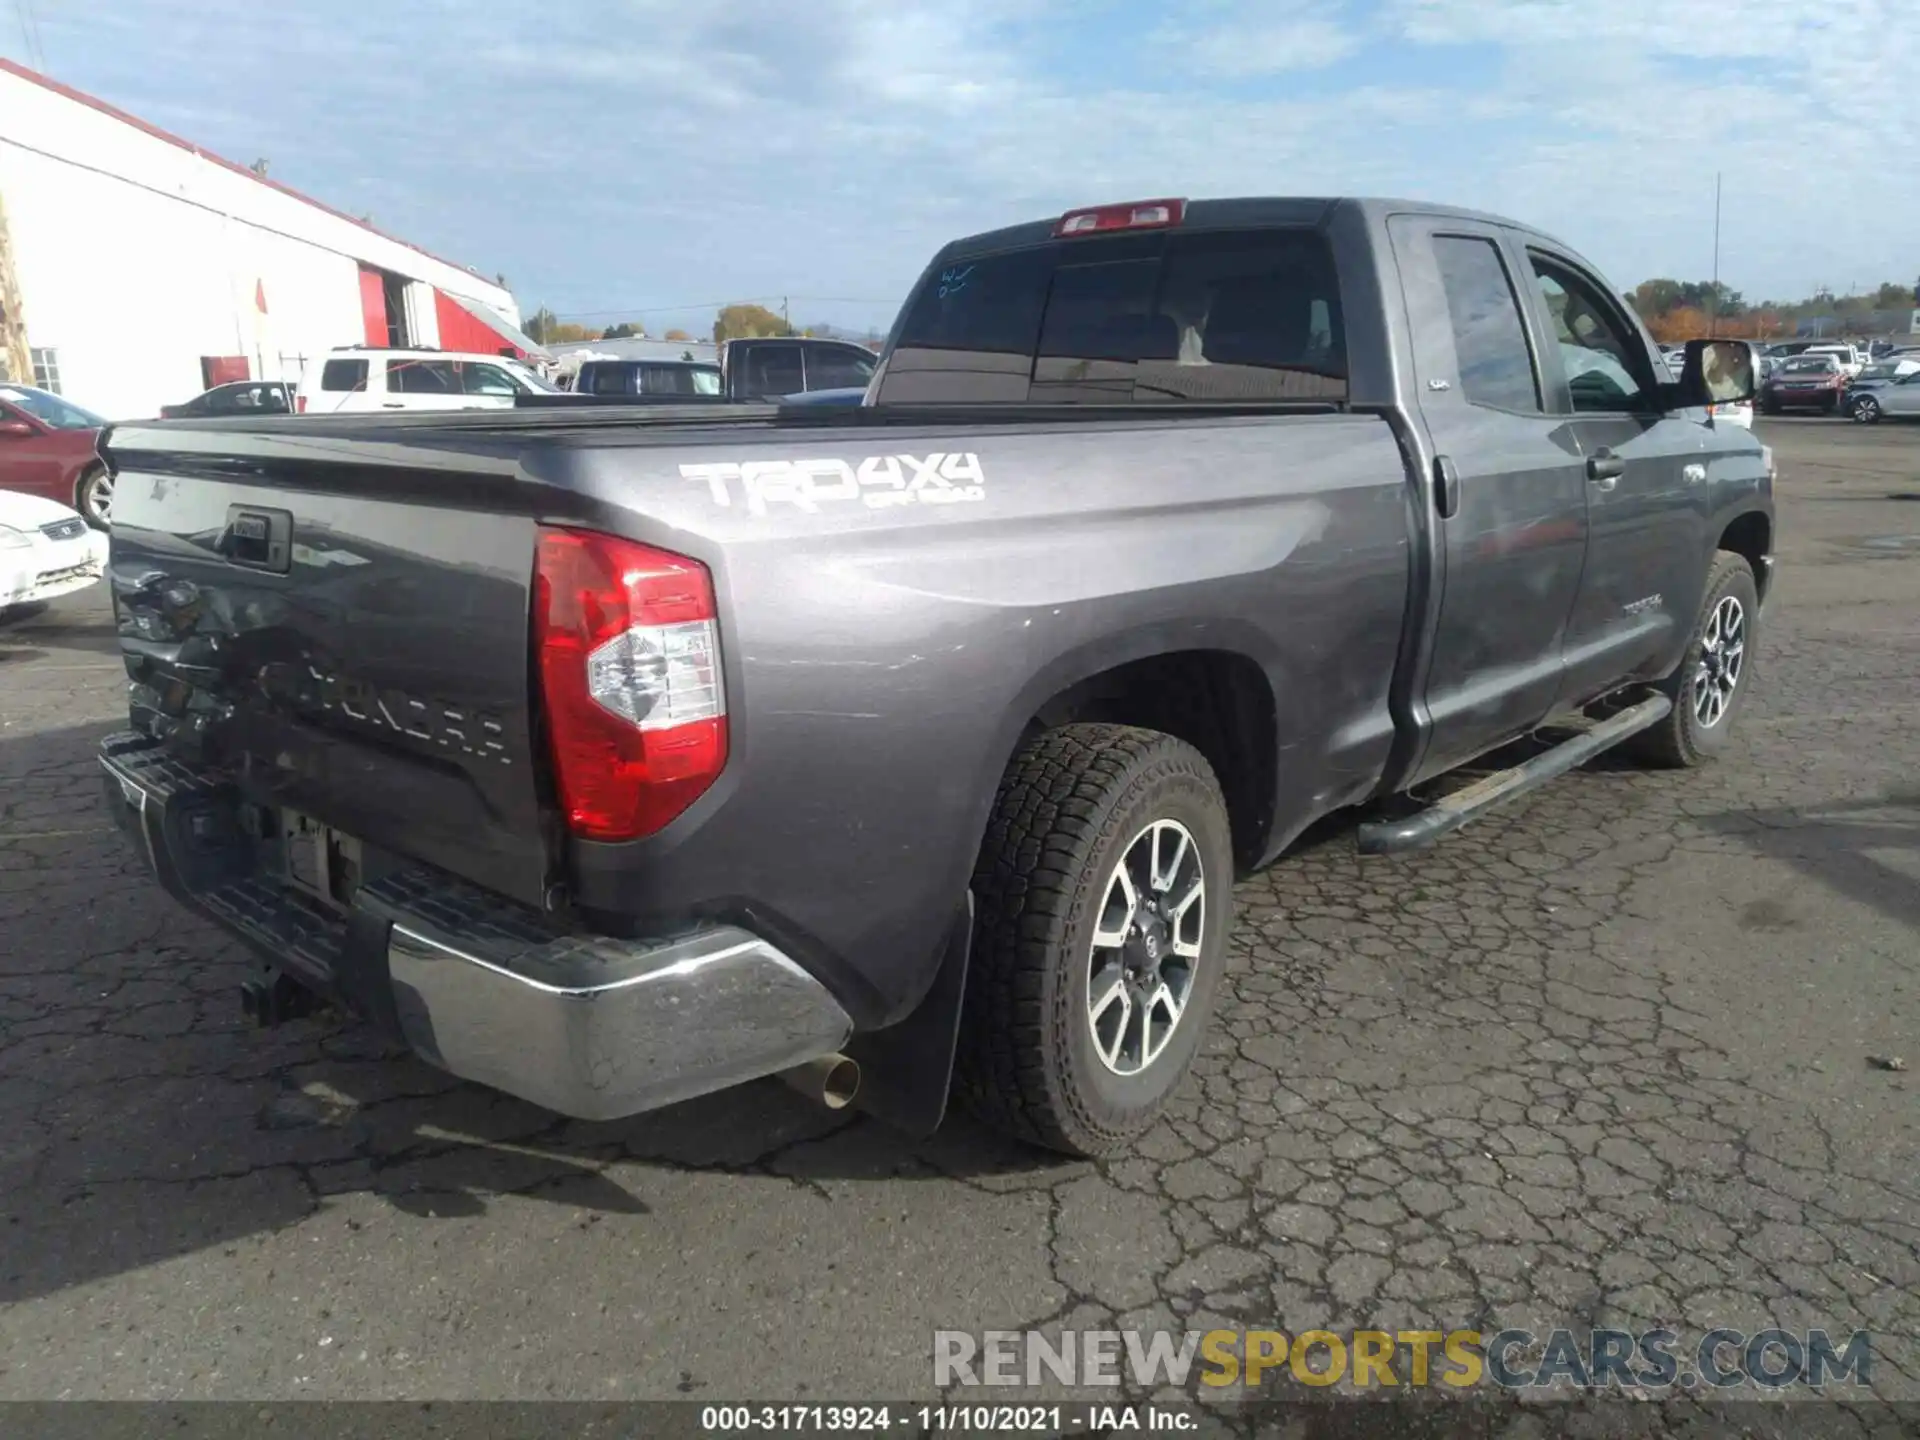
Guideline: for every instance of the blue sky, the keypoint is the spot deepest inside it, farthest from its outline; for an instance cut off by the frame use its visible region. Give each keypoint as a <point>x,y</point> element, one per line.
<point>650,158</point>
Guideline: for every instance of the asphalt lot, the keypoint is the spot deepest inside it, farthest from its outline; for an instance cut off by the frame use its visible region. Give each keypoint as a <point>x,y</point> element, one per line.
<point>1606,1058</point>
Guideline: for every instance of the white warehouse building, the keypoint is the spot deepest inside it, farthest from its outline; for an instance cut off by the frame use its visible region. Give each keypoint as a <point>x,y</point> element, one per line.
<point>137,269</point>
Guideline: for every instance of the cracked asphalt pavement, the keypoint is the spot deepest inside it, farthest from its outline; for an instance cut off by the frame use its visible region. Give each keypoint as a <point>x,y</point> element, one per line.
<point>1606,1057</point>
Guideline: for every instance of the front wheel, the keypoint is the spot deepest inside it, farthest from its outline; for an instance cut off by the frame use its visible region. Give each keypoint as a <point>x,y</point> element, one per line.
<point>93,497</point>
<point>1715,675</point>
<point>1103,895</point>
<point>1866,411</point>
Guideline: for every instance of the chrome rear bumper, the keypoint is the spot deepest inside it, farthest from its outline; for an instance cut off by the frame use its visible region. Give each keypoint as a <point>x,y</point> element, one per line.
<point>584,1024</point>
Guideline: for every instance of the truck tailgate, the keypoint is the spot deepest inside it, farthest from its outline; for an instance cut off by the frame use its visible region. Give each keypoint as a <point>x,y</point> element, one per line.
<point>350,647</point>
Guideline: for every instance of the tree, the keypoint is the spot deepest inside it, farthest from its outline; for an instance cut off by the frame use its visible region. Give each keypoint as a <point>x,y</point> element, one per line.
<point>1683,322</point>
<point>540,325</point>
<point>545,328</point>
<point>1656,297</point>
<point>739,322</point>
<point>678,335</point>
<point>625,330</point>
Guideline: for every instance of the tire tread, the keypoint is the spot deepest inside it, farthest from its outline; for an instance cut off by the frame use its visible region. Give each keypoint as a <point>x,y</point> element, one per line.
<point>1672,744</point>
<point>1052,812</point>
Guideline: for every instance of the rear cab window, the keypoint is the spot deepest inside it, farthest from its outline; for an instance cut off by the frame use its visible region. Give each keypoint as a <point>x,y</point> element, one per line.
<point>679,380</point>
<point>773,370</point>
<point>602,378</point>
<point>1231,315</point>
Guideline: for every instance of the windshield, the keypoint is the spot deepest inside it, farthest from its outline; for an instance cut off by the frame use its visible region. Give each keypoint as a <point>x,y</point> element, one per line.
<point>1810,364</point>
<point>51,409</point>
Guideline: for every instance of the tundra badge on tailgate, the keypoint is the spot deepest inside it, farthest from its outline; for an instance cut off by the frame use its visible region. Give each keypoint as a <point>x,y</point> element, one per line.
<point>878,482</point>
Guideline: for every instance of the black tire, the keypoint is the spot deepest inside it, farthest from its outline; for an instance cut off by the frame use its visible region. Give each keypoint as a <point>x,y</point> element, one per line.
<point>1072,804</point>
<point>1684,739</point>
<point>1866,410</point>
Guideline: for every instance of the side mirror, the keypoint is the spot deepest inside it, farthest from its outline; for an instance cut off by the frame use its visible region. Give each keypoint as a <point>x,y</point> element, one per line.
<point>1717,372</point>
<point>19,429</point>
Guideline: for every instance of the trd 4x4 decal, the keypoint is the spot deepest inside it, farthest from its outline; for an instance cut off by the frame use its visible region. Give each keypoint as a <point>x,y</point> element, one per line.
<point>877,482</point>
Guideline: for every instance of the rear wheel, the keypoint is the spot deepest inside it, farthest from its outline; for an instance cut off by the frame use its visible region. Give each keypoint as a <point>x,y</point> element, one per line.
<point>1712,681</point>
<point>93,497</point>
<point>1104,892</point>
<point>1866,411</point>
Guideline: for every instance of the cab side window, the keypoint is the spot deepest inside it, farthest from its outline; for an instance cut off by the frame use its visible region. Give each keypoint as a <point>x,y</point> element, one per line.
<point>1489,340</point>
<point>423,377</point>
<point>481,379</point>
<point>1605,363</point>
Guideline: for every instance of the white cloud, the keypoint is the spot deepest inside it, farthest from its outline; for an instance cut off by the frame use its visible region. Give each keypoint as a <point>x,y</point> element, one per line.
<point>1262,43</point>
<point>611,154</point>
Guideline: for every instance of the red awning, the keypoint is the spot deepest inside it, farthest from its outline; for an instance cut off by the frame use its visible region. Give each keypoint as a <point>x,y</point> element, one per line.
<point>469,325</point>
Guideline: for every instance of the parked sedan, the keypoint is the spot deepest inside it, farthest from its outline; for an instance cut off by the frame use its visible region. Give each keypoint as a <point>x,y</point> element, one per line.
<point>240,397</point>
<point>1894,394</point>
<point>47,449</point>
<point>1805,382</point>
<point>46,551</point>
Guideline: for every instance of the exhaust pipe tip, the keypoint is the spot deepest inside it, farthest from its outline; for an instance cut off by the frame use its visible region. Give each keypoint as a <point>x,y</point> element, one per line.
<point>831,1080</point>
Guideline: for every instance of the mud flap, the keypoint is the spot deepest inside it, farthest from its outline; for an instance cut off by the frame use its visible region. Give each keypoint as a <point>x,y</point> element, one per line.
<point>907,1069</point>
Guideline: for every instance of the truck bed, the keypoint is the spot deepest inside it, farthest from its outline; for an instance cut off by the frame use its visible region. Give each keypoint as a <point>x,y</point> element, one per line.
<point>898,590</point>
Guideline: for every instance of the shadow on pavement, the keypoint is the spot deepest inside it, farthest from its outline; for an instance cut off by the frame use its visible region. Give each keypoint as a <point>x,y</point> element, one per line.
<point>1836,845</point>
<point>143,1118</point>
<point>69,625</point>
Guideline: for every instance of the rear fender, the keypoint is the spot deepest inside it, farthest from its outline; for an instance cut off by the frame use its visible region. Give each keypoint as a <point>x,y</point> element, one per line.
<point>1077,666</point>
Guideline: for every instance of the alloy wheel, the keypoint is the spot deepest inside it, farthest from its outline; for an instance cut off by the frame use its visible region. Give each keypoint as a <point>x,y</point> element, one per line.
<point>1146,947</point>
<point>1723,653</point>
<point>96,497</point>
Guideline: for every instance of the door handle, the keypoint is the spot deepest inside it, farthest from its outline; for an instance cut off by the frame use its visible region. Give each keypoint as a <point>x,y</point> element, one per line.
<point>1605,468</point>
<point>1446,487</point>
<point>393,405</point>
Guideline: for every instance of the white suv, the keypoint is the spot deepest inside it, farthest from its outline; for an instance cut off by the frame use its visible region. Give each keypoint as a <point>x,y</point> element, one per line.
<point>358,379</point>
<point>1851,360</point>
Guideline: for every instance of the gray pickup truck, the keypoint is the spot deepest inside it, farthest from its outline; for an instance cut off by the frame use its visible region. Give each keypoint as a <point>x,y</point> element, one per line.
<point>912,749</point>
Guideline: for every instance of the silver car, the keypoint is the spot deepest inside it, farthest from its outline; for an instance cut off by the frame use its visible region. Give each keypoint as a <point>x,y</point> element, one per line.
<point>1886,388</point>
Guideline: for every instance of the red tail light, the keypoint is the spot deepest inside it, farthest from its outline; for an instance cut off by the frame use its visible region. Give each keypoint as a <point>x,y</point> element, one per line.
<point>299,404</point>
<point>629,652</point>
<point>1136,215</point>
